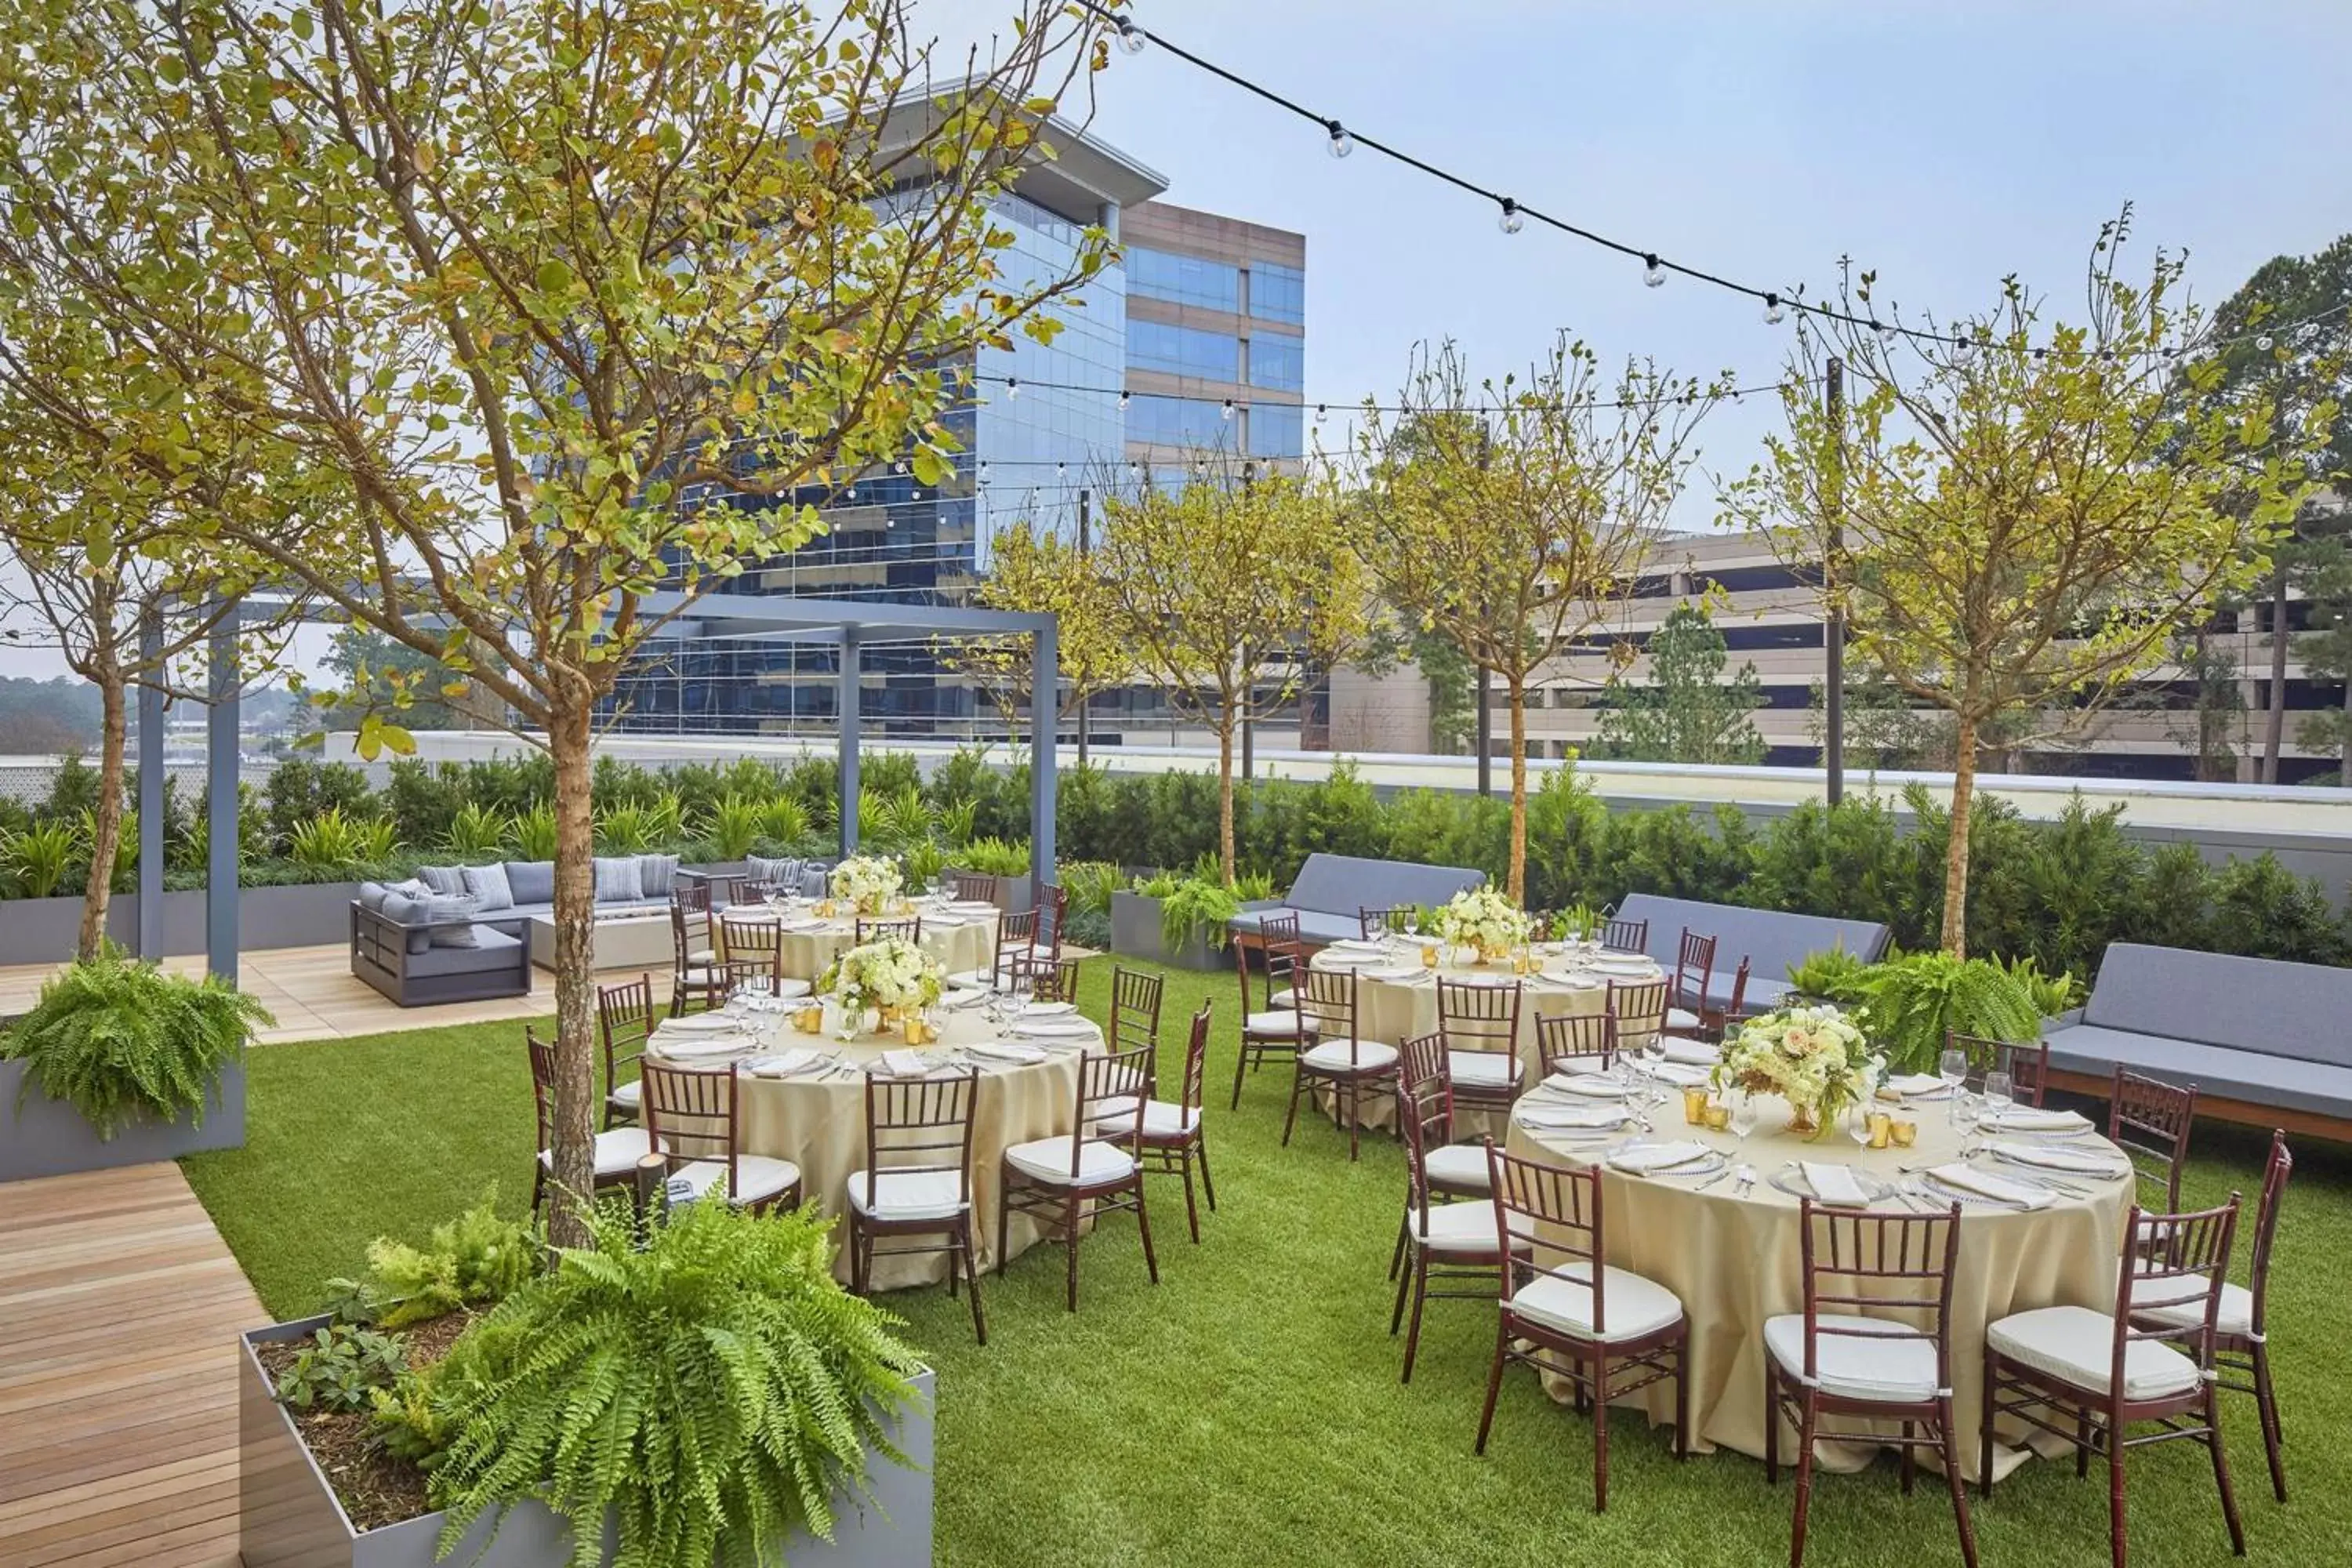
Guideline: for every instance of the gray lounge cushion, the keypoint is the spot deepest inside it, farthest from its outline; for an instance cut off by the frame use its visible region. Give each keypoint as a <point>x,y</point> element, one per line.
<point>1770,940</point>
<point>494,949</point>
<point>532,882</point>
<point>764,869</point>
<point>487,886</point>
<point>1348,884</point>
<point>618,878</point>
<point>449,881</point>
<point>460,912</point>
<point>371,896</point>
<point>1315,927</point>
<point>654,875</point>
<point>402,909</point>
<point>2259,1005</point>
<point>2285,1082</point>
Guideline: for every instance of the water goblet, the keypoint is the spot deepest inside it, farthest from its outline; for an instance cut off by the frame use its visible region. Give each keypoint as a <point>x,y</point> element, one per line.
<point>1953,1069</point>
<point>1999,1093</point>
<point>1743,1117</point>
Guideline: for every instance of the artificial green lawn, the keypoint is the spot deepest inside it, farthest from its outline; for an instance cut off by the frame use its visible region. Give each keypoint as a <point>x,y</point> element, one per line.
<point>1248,1411</point>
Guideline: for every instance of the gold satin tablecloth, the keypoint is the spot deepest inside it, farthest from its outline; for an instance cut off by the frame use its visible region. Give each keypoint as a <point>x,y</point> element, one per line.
<point>818,1123</point>
<point>1734,1261</point>
<point>967,944</point>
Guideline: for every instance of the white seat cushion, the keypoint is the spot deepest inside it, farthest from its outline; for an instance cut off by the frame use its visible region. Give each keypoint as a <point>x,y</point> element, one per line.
<point>1283,1000</point>
<point>1335,1057</point>
<point>1275,1024</point>
<point>1682,1018</point>
<point>632,1095</point>
<point>2237,1316</point>
<point>707,956</point>
<point>1166,1122</point>
<point>1890,1366</point>
<point>760,1178</point>
<point>1460,1231</point>
<point>980,978</point>
<point>1047,1159</point>
<point>1458,1165</point>
<point>617,1153</point>
<point>1482,1070</point>
<point>2077,1345</point>
<point>699,974</point>
<point>1561,1300</point>
<point>910,1195</point>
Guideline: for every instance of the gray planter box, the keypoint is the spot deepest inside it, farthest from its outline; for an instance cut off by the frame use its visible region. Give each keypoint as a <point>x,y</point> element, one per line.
<point>1013,894</point>
<point>49,1138</point>
<point>42,931</point>
<point>1135,931</point>
<point>288,1517</point>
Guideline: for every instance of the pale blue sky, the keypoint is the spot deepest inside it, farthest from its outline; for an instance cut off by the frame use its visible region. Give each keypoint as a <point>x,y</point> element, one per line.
<point>1945,145</point>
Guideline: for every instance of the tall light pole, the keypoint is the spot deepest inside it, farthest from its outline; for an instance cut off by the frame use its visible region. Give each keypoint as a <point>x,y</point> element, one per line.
<point>1085,543</point>
<point>1833,628</point>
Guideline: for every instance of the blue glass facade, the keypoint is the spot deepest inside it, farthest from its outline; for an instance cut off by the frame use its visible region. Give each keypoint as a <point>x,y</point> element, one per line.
<point>1183,351</point>
<point>1277,293</point>
<point>1184,280</point>
<point>1278,361</point>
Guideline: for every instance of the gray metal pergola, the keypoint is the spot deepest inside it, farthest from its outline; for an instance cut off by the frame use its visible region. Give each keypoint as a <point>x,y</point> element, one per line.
<point>847,623</point>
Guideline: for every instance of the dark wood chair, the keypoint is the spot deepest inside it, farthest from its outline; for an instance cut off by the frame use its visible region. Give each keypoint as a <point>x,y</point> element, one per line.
<point>970,888</point>
<point>1042,978</point>
<point>1095,1170</point>
<point>1449,1170</point>
<point>1566,1310</point>
<point>1625,936</point>
<point>694,966</point>
<point>1686,1008</point>
<point>1874,1343</point>
<point>917,1180</point>
<point>1450,1249</point>
<point>2028,1066</point>
<point>1325,1050</point>
<point>1386,922</point>
<point>1052,910</point>
<point>2056,1369</point>
<point>1017,940</point>
<point>1576,1042</point>
<point>691,1115</point>
<point>1174,1132</point>
<point>625,1018</point>
<point>1479,1021</point>
<point>1637,1014</point>
<point>867,931</point>
<point>2242,1328</point>
<point>617,1152</point>
<point>1270,1030</point>
<point>2149,1119</point>
<point>1134,1009</point>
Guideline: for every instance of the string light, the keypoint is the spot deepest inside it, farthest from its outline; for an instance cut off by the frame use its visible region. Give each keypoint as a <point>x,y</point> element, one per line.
<point>1227,413</point>
<point>1341,142</point>
<point>2263,342</point>
<point>1122,399</point>
<point>1012,388</point>
<point>1886,333</point>
<point>1512,220</point>
<point>1774,311</point>
<point>1322,411</point>
<point>1654,272</point>
<point>1130,37</point>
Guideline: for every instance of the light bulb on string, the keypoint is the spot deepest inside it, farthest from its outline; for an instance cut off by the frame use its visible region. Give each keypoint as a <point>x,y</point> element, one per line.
<point>1123,400</point>
<point>1512,220</point>
<point>1654,271</point>
<point>1322,411</point>
<point>899,465</point>
<point>1012,388</point>
<point>2264,343</point>
<point>1341,142</point>
<point>1130,37</point>
<point>1227,412</point>
<point>1774,311</point>
<point>1886,333</point>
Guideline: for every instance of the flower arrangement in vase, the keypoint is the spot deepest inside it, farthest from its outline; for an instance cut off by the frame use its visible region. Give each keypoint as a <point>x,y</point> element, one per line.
<point>887,975</point>
<point>1813,1058</point>
<point>867,883</point>
<point>1485,918</point>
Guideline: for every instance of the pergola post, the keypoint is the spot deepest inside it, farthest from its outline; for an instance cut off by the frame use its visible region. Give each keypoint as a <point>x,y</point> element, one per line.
<point>1045,710</point>
<point>852,670</point>
<point>220,804</point>
<point>150,939</point>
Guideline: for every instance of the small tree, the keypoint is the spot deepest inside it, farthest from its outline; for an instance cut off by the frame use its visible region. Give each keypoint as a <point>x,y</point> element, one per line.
<point>540,309</point>
<point>2021,527</point>
<point>1507,514</point>
<point>1688,710</point>
<point>1038,571</point>
<point>1226,594</point>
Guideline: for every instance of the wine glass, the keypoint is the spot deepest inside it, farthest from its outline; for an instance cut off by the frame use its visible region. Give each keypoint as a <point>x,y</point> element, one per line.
<point>2000,1092</point>
<point>1953,1069</point>
<point>1743,1117</point>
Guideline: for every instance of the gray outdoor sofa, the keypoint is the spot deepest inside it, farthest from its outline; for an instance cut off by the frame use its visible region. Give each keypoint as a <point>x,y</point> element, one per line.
<point>1770,941</point>
<point>2263,1042</point>
<point>1333,890</point>
<point>461,934</point>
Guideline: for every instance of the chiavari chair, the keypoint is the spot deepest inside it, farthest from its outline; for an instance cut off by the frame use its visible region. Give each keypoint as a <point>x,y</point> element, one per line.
<point>1134,1009</point>
<point>1686,1009</point>
<point>694,967</point>
<point>1174,1132</point>
<point>1449,1251</point>
<point>2028,1066</point>
<point>1042,978</point>
<point>1376,922</point>
<point>910,931</point>
<point>614,1159</point>
<point>624,1021</point>
<point>1325,1050</point>
<point>1625,936</point>
<point>1270,1030</point>
<point>1479,1021</point>
<point>917,1181</point>
<point>2149,1119</point>
<point>1637,1014</point>
<point>1576,1042</point>
<point>1098,1169</point>
<point>693,1117</point>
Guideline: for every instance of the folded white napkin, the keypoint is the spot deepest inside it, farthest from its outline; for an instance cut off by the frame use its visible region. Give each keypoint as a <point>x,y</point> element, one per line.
<point>945,922</point>
<point>1346,958</point>
<point>1834,1183</point>
<point>972,907</point>
<point>1055,1028</point>
<point>2031,1118</point>
<point>1006,1051</point>
<point>798,1059</point>
<point>2059,1157</point>
<point>1692,1053</point>
<point>1360,944</point>
<point>801,927</point>
<point>1916,1085</point>
<point>1967,1178</point>
<point>704,1046</point>
<point>1048,1009</point>
<point>1646,1158</point>
<point>1538,1114</point>
<point>1590,1085</point>
<point>904,1064</point>
<point>1394,972</point>
<point>1681,1075</point>
<point>964,997</point>
<point>702,1024</point>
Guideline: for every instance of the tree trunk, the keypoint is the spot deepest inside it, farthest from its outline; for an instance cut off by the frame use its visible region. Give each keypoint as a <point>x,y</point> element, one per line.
<point>1226,793</point>
<point>1518,688</point>
<point>575,901</point>
<point>105,817</point>
<point>1956,853</point>
<point>2274,720</point>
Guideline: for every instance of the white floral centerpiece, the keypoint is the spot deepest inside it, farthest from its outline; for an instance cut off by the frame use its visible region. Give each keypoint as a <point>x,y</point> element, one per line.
<point>1486,918</point>
<point>868,882</point>
<point>1813,1058</point>
<point>890,974</point>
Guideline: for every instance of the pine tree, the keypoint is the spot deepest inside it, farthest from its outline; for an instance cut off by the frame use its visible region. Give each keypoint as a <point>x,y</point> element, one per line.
<point>1688,710</point>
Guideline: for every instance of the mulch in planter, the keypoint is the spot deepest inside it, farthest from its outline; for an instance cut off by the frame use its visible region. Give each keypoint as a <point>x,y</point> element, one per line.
<point>376,1487</point>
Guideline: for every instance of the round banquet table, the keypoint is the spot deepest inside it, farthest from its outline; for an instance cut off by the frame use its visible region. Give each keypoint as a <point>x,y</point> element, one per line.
<point>963,938</point>
<point>1396,999</point>
<point>1733,1258</point>
<point>816,1119</point>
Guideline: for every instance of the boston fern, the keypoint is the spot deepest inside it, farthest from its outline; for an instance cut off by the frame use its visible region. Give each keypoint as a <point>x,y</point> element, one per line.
<point>710,1390</point>
<point>1908,1002</point>
<point>115,1037</point>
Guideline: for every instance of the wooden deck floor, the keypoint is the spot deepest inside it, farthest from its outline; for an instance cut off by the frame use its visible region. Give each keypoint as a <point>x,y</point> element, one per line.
<point>119,1308</point>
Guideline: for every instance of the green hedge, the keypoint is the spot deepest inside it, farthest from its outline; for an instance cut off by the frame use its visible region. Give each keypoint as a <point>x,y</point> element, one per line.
<point>2056,892</point>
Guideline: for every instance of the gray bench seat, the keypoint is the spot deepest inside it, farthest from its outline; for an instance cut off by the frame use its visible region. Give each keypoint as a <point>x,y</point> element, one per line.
<point>1772,941</point>
<point>1333,890</point>
<point>2285,1082</point>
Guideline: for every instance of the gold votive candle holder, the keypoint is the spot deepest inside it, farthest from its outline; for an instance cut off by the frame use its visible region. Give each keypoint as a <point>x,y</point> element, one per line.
<point>1694,1106</point>
<point>1903,1132</point>
<point>1428,955</point>
<point>1719,1115</point>
<point>917,1030</point>
<point>809,1020</point>
<point>1882,1128</point>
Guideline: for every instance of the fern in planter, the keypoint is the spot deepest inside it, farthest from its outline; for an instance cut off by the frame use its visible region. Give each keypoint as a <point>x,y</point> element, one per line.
<point>1833,974</point>
<point>1194,907</point>
<point>712,1389</point>
<point>1909,1002</point>
<point>115,1038</point>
